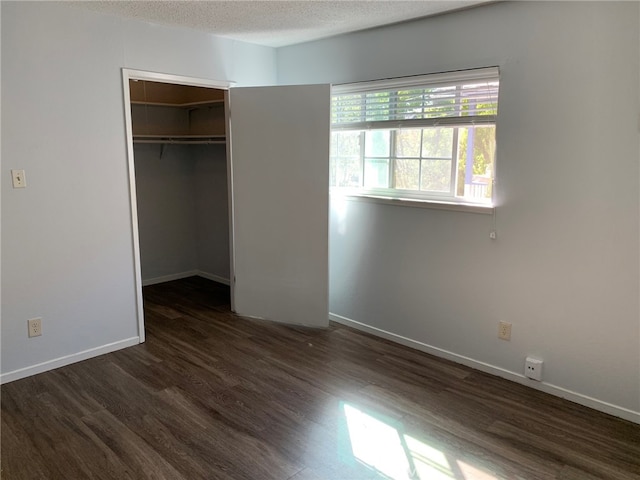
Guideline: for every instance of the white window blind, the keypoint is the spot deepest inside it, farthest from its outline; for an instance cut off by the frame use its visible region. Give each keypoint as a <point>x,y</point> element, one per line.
<point>462,98</point>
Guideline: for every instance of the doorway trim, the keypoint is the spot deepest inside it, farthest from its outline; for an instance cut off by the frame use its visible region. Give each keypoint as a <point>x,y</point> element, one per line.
<point>131,74</point>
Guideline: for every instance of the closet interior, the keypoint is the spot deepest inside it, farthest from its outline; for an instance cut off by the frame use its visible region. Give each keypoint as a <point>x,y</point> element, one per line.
<point>180,155</point>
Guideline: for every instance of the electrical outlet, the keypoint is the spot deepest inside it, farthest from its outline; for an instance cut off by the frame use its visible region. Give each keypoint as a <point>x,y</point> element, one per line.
<point>35,327</point>
<point>504,331</point>
<point>533,368</point>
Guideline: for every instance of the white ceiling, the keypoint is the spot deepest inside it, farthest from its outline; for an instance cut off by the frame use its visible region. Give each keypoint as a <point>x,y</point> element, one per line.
<point>277,23</point>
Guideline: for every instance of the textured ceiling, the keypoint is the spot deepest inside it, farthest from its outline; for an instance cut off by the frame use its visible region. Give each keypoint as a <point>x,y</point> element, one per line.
<point>277,23</point>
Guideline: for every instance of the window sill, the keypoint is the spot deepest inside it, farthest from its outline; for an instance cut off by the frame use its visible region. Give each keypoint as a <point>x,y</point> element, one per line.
<point>412,202</point>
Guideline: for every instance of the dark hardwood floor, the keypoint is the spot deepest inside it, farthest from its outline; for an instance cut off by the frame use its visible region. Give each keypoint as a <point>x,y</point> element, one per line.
<point>214,396</point>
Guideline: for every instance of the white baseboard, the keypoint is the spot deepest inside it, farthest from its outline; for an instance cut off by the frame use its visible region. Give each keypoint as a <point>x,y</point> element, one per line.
<point>169,278</point>
<point>67,360</point>
<point>215,278</point>
<point>189,273</point>
<point>493,370</point>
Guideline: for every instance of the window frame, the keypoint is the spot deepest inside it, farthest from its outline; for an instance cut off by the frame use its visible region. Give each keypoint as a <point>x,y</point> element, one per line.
<point>399,196</point>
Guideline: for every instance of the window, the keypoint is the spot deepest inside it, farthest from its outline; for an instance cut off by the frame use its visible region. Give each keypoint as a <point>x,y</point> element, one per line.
<point>429,138</point>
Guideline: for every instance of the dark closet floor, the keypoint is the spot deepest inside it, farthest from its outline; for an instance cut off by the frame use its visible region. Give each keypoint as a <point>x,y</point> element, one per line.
<point>214,396</point>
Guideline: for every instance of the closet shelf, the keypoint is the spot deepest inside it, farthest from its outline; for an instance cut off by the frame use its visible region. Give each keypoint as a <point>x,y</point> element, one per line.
<point>181,139</point>
<point>203,103</point>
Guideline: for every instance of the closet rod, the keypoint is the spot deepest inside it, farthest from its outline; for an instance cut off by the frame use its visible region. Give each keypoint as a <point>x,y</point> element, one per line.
<point>184,142</point>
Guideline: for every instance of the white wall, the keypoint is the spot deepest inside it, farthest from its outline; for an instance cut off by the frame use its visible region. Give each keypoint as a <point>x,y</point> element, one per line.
<point>183,211</point>
<point>67,251</point>
<point>166,199</point>
<point>564,269</point>
<point>212,210</point>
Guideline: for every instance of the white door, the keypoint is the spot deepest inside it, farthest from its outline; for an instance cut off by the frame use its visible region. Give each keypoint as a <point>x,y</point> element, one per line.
<point>280,202</point>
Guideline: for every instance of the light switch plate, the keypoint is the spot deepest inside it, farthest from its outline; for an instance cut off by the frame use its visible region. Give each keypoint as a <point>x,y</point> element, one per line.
<point>19,180</point>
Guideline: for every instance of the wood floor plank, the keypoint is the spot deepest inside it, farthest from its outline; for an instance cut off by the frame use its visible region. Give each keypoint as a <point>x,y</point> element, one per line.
<point>215,396</point>
<point>306,474</point>
<point>445,426</point>
<point>143,460</point>
<point>234,451</point>
<point>20,457</point>
<point>562,453</point>
<point>572,473</point>
<point>61,435</point>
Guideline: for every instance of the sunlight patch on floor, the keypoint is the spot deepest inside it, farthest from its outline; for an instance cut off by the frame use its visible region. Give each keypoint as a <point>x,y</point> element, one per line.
<point>384,447</point>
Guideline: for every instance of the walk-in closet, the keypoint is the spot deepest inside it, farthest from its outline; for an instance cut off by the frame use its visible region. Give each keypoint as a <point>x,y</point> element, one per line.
<point>180,154</point>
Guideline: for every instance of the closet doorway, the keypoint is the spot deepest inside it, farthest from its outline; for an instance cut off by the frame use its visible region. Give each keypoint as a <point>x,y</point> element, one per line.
<point>270,151</point>
<point>179,180</point>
